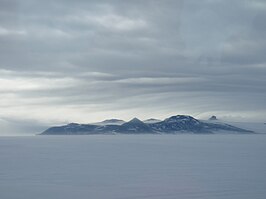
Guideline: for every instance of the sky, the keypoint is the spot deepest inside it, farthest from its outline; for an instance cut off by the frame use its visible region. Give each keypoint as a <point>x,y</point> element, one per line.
<point>84,61</point>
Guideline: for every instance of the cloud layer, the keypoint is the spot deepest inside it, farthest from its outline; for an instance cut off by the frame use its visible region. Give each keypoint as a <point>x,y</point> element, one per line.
<point>83,61</point>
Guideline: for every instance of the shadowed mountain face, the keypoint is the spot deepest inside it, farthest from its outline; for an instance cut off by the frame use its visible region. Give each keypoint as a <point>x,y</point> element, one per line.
<point>172,125</point>
<point>135,126</point>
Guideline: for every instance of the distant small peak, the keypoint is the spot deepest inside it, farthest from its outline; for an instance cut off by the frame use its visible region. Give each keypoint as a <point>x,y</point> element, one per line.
<point>151,120</point>
<point>72,124</point>
<point>213,118</point>
<point>113,120</point>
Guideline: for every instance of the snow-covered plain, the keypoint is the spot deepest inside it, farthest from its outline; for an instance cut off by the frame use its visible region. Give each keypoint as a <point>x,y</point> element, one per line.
<point>133,167</point>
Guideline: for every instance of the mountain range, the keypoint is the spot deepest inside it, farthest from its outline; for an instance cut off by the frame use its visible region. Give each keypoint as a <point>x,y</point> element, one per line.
<point>172,125</point>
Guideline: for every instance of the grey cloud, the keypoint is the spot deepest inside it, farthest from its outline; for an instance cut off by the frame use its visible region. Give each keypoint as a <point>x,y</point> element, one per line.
<point>88,60</point>
<point>249,47</point>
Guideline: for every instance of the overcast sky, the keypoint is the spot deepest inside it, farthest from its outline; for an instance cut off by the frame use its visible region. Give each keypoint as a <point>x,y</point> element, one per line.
<point>88,60</point>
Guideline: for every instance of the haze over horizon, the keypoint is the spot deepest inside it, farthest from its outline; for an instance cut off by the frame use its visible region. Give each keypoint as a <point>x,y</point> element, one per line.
<point>87,61</point>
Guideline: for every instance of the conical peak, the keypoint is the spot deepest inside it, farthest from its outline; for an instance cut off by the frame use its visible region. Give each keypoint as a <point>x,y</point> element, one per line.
<point>135,120</point>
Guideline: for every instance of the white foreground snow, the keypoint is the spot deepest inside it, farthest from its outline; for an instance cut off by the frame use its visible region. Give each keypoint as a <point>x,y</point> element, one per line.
<point>133,167</point>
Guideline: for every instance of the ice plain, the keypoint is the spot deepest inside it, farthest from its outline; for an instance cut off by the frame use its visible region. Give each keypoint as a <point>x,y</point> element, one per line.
<point>133,167</point>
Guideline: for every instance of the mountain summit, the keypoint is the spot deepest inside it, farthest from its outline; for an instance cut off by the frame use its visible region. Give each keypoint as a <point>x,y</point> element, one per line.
<point>135,120</point>
<point>213,118</point>
<point>136,126</point>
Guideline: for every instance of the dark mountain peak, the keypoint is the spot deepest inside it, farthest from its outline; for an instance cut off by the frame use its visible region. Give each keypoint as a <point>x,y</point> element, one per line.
<point>136,126</point>
<point>213,118</point>
<point>136,121</point>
